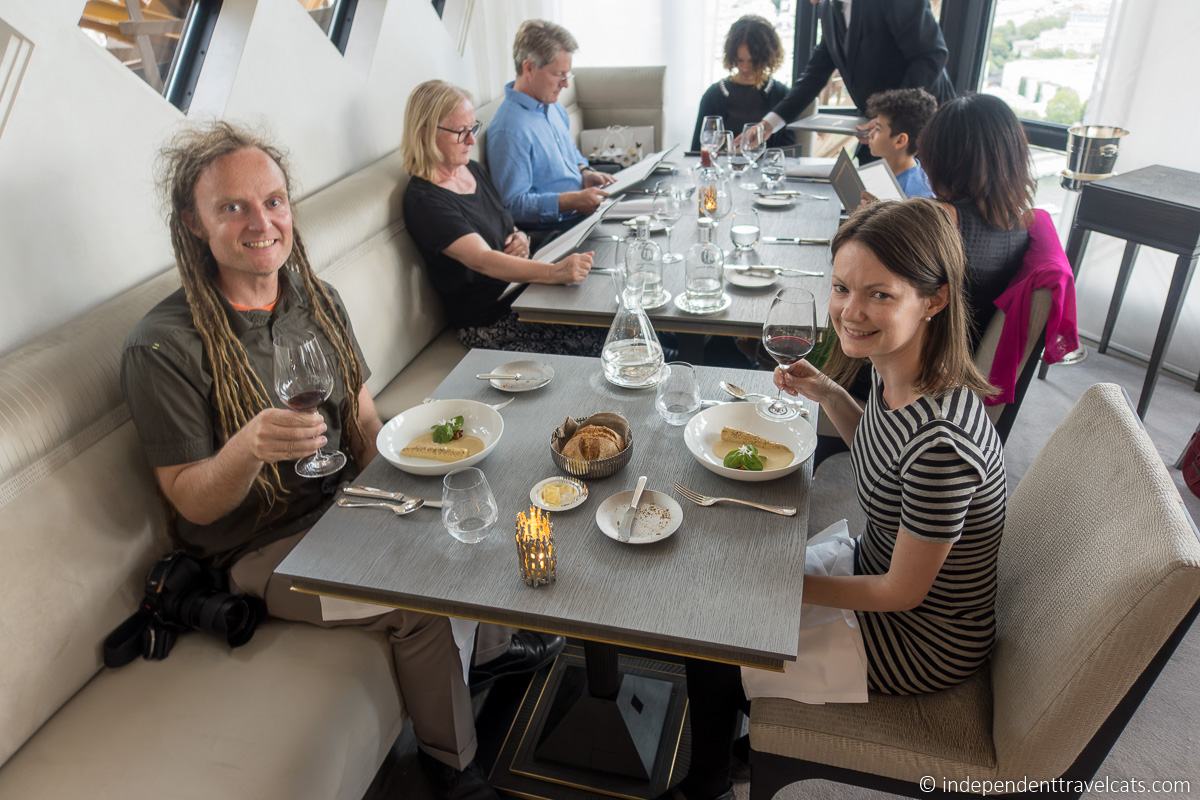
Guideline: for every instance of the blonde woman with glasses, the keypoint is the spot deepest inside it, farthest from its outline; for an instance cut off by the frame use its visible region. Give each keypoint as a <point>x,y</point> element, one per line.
<point>472,249</point>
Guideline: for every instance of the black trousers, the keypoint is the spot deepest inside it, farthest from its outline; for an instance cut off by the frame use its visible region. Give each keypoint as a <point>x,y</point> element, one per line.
<point>715,697</point>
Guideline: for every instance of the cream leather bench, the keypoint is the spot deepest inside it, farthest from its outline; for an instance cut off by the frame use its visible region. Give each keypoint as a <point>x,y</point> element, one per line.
<point>297,713</point>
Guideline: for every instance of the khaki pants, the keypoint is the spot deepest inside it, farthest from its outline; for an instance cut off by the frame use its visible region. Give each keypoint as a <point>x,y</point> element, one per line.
<point>425,659</point>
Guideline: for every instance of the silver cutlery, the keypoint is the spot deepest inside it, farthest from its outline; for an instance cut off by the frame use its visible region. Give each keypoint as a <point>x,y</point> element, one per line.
<point>792,193</point>
<point>625,523</point>
<point>792,240</point>
<point>741,394</point>
<point>499,376</point>
<point>399,510</point>
<point>705,500</point>
<point>769,269</point>
<point>603,270</point>
<point>604,237</point>
<point>382,494</point>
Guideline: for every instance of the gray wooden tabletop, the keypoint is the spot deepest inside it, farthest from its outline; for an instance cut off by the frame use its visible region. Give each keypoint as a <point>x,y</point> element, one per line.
<point>594,301</point>
<point>726,586</point>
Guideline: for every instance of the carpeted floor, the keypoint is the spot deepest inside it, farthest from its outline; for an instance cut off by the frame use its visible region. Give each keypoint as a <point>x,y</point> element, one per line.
<point>1162,741</point>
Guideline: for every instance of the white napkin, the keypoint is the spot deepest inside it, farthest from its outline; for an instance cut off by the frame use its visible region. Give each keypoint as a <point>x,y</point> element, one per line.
<point>832,662</point>
<point>463,630</point>
<point>628,209</point>
<point>810,167</point>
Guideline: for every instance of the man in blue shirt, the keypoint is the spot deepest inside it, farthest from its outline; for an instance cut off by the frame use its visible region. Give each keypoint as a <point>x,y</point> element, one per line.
<point>543,179</point>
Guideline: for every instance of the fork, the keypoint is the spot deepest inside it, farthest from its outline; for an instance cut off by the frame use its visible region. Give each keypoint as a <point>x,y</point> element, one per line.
<point>705,500</point>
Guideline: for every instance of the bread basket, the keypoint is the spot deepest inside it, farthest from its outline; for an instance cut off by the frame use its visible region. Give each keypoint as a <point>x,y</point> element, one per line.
<point>597,468</point>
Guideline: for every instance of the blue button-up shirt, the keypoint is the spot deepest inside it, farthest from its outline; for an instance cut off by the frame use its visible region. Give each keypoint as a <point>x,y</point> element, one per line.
<point>531,157</point>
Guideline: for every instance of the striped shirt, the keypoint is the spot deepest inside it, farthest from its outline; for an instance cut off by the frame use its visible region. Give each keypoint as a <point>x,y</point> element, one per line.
<point>935,468</point>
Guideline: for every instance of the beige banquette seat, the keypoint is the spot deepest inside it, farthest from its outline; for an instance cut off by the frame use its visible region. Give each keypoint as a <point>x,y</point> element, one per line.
<point>1099,579</point>
<point>297,713</point>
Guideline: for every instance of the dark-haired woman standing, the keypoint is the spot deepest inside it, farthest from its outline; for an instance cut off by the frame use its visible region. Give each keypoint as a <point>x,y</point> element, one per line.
<point>929,474</point>
<point>753,52</point>
<point>977,158</point>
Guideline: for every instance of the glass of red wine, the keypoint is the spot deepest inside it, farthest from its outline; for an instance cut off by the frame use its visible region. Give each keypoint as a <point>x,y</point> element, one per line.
<point>304,380</point>
<point>788,335</point>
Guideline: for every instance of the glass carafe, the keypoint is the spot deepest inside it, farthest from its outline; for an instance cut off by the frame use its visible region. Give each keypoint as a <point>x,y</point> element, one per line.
<point>644,266</point>
<point>704,272</point>
<point>632,356</point>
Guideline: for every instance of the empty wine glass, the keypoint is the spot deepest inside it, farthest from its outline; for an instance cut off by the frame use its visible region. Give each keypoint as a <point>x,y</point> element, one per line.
<point>468,506</point>
<point>788,335</point>
<point>303,381</point>
<point>744,229</point>
<point>668,209</point>
<point>724,151</point>
<point>773,168</point>
<point>740,163</point>
<point>678,394</point>
<point>711,129</point>
<point>754,144</point>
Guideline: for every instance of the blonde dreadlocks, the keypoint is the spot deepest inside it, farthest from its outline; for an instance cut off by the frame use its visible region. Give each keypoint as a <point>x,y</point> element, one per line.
<point>239,393</point>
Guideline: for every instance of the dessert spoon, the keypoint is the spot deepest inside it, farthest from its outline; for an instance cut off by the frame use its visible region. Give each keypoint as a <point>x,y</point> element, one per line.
<point>742,394</point>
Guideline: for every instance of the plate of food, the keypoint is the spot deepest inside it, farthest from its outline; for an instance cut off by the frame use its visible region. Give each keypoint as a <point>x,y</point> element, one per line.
<point>658,516</point>
<point>733,441</point>
<point>440,436</point>
<point>558,494</point>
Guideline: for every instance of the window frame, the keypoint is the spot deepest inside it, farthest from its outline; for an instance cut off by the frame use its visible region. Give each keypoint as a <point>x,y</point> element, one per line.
<point>188,60</point>
<point>967,28</point>
<point>343,20</point>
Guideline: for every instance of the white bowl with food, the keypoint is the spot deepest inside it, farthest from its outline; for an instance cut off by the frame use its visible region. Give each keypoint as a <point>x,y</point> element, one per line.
<point>409,442</point>
<point>766,449</point>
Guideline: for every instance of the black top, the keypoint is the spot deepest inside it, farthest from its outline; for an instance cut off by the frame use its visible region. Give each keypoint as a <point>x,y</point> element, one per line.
<point>994,258</point>
<point>436,218</point>
<point>739,104</point>
<point>936,469</point>
<point>890,44</point>
<point>167,381</point>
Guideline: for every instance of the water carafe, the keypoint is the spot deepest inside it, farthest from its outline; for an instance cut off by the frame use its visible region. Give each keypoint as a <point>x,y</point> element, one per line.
<point>632,356</point>
<point>704,273</point>
<point>644,266</point>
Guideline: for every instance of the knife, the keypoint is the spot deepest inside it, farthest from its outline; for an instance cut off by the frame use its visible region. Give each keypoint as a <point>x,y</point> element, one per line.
<point>769,268</point>
<point>381,494</point>
<point>792,240</point>
<point>625,523</point>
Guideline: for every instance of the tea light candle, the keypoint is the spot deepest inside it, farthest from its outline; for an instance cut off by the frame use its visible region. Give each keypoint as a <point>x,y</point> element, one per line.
<point>535,547</point>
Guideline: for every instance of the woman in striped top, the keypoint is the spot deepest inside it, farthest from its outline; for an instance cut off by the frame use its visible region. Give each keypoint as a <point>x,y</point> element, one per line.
<point>928,465</point>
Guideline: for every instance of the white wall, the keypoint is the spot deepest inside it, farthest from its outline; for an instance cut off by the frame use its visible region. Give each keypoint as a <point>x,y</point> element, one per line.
<point>1148,85</point>
<point>79,217</point>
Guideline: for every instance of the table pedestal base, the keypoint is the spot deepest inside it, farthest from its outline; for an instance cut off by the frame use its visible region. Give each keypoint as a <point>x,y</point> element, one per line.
<point>568,742</point>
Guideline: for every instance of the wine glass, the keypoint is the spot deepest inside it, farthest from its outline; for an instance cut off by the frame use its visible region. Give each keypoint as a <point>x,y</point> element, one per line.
<point>711,128</point>
<point>724,150</point>
<point>303,381</point>
<point>788,335</point>
<point>668,209</point>
<point>754,144</point>
<point>740,163</point>
<point>773,168</point>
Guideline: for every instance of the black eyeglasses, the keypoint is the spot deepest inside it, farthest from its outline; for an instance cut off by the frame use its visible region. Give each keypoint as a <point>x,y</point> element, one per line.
<point>463,133</point>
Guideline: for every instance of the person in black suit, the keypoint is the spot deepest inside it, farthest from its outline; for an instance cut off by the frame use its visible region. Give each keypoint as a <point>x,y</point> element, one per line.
<point>875,45</point>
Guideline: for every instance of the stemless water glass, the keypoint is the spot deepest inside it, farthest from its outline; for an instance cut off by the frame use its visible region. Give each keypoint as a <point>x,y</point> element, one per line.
<point>668,209</point>
<point>744,229</point>
<point>754,144</point>
<point>788,335</point>
<point>678,393</point>
<point>711,130</point>
<point>468,507</point>
<point>303,381</point>
<point>773,168</point>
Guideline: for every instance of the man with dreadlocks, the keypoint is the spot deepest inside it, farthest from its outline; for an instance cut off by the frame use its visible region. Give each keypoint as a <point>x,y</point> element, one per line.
<point>196,373</point>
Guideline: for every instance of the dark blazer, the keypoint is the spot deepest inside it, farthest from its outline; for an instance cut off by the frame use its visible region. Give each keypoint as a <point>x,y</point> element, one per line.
<point>891,44</point>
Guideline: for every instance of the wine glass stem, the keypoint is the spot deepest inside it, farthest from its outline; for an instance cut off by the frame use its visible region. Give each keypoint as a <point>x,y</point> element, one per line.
<point>669,229</point>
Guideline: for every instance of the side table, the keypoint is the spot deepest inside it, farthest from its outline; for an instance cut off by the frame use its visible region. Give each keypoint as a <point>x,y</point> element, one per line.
<point>1154,206</point>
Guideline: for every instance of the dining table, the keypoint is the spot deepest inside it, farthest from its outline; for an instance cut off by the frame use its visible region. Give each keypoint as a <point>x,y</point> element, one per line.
<point>809,212</point>
<point>726,586</point>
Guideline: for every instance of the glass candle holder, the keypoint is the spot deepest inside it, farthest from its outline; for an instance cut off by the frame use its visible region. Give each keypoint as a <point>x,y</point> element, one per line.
<point>535,547</point>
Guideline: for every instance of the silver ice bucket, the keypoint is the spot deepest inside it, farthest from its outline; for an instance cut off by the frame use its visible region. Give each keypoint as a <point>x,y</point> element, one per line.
<point>1091,154</point>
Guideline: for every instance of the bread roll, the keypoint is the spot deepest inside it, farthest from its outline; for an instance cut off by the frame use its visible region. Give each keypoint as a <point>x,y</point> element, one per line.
<point>593,442</point>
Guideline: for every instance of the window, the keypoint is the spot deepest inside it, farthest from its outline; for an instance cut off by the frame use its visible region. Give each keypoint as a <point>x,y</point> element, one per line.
<point>162,41</point>
<point>334,17</point>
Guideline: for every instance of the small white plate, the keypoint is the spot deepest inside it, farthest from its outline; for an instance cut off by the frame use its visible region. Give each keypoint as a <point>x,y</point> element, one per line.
<point>774,202</point>
<point>535,375</point>
<point>658,516</point>
<point>581,496</point>
<point>665,298</point>
<point>750,280</point>
<point>682,304</point>
<point>656,226</point>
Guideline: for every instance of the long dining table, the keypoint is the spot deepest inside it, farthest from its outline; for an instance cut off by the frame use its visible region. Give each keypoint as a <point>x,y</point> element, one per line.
<point>726,586</point>
<point>814,215</point>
